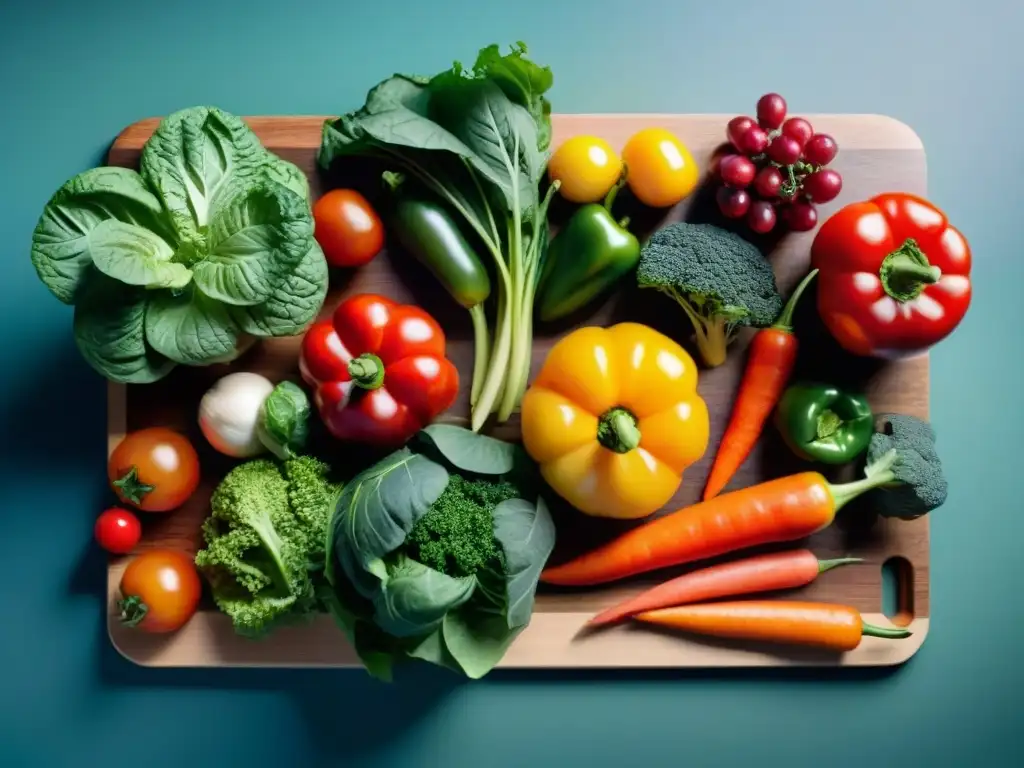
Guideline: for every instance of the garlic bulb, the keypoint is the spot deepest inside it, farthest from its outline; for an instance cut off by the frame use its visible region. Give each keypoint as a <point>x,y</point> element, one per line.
<point>230,411</point>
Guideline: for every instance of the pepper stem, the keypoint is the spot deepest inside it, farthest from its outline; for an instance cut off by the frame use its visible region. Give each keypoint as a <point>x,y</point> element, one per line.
<point>367,371</point>
<point>132,610</point>
<point>828,424</point>
<point>609,199</point>
<point>906,271</point>
<point>828,565</point>
<point>617,430</point>
<point>892,633</point>
<point>784,322</point>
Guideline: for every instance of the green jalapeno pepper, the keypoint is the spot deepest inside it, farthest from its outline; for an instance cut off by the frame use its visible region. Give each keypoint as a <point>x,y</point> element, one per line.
<point>587,257</point>
<point>824,423</point>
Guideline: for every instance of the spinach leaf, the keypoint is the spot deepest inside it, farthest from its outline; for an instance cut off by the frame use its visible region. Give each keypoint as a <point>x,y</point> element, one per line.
<point>255,240</point>
<point>500,133</point>
<point>110,333</point>
<point>280,171</point>
<point>135,256</point>
<point>293,304</point>
<point>194,155</point>
<point>378,508</point>
<point>191,328</point>
<point>523,81</point>
<point>476,640</point>
<point>526,533</point>
<point>471,451</point>
<point>432,650</point>
<point>414,599</point>
<point>283,425</point>
<point>60,242</point>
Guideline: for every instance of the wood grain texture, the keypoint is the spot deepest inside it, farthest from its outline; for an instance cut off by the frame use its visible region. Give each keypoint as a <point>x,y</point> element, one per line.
<point>877,154</point>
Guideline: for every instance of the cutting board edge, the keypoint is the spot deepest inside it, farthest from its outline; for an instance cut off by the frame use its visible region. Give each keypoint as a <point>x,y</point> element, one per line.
<point>900,137</point>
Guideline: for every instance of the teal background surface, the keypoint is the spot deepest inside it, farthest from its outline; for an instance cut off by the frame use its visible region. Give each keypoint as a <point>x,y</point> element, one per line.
<point>74,74</point>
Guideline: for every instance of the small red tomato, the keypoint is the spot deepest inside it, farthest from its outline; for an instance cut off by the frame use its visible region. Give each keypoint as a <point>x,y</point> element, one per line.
<point>160,591</point>
<point>347,228</point>
<point>154,469</point>
<point>117,530</point>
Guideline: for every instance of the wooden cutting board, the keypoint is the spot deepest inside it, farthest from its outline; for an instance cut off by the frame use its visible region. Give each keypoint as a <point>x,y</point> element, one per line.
<point>877,154</point>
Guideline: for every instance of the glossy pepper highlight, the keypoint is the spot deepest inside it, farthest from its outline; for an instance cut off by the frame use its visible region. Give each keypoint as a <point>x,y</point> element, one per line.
<point>823,423</point>
<point>894,276</point>
<point>378,370</point>
<point>587,257</point>
<point>613,419</point>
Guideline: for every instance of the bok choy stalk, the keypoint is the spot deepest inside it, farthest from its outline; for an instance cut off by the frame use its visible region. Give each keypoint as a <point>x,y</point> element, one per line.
<point>478,140</point>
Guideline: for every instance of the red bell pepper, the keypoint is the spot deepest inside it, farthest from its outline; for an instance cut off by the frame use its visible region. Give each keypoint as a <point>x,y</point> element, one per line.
<point>378,369</point>
<point>894,276</point>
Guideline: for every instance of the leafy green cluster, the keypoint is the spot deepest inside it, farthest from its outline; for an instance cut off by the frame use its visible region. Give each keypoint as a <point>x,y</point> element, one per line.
<point>477,141</point>
<point>208,247</point>
<point>719,279</point>
<point>456,535</point>
<point>265,541</point>
<point>435,553</point>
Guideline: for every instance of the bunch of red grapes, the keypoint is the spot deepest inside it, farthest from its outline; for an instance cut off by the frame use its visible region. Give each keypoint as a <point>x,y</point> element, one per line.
<point>776,169</point>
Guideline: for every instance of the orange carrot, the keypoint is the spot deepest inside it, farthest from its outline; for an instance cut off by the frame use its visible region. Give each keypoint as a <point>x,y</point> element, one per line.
<point>822,625</point>
<point>764,573</point>
<point>784,509</point>
<point>769,365</point>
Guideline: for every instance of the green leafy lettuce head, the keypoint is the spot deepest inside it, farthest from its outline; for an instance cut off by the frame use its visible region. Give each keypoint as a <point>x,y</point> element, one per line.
<point>434,553</point>
<point>208,247</point>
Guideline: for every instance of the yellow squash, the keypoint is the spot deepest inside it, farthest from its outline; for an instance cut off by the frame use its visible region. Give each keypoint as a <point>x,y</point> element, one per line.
<point>613,419</point>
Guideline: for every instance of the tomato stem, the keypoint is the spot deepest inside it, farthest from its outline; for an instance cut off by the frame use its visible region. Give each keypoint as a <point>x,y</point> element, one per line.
<point>367,371</point>
<point>132,610</point>
<point>130,488</point>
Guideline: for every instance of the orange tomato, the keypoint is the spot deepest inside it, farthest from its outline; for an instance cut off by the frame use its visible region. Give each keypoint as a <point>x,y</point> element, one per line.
<point>160,591</point>
<point>347,228</point>
<point>660,171</point>
<point>154,469</point>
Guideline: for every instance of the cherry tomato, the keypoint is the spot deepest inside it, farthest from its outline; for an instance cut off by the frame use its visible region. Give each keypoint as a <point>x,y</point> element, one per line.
<point>154,469</point>
<point>160,590</point>
<point>117,530</point>
<point>587,167</point>
<point>347,228</point>
<point>660,170</point>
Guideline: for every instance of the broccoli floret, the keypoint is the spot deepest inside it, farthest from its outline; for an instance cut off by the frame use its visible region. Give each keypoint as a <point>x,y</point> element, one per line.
<point>264,537</point>
<point>720,280</point>
<point>903,469</point>
<point>456,535</point>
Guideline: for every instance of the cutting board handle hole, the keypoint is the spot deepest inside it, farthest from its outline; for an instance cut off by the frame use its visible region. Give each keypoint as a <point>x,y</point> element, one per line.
<point>898,591</point>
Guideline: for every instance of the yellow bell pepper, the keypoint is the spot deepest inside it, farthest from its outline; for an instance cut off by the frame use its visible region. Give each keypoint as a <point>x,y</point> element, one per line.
<point>613,418</point>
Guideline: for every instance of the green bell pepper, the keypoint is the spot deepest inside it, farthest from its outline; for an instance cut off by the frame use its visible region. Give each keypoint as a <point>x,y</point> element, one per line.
<point>823,423</point>
<point>587,257</point>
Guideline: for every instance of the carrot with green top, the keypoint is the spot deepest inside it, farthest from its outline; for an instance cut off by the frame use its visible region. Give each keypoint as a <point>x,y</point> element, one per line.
<point>821,625</point>
<point>769,365</point>
<point>763,573</point>
<point>902,464</point>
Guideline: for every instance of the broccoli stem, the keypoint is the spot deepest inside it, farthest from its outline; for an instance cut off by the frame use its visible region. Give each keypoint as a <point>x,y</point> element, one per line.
<point>878,474</point>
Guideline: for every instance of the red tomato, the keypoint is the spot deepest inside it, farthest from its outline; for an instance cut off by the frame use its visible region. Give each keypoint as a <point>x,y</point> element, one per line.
<point>154,469</point>
<point>347,228</point>
<point>117,531</point>
<point>160,590</point>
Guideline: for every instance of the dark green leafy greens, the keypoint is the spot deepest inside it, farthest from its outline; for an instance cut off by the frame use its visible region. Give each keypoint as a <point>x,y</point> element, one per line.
<point>430,560</point>
<point>283,425</point>
<point>479,141</point>
<point>208,247</point>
